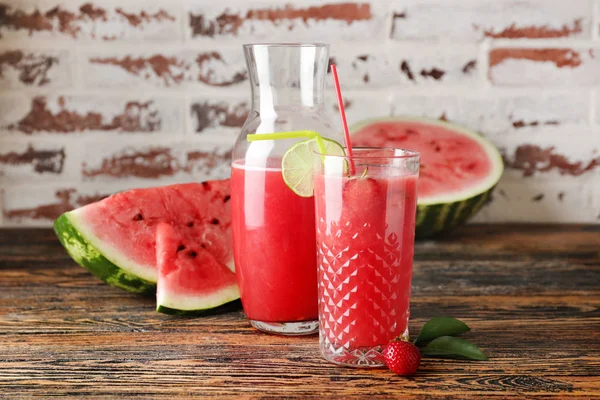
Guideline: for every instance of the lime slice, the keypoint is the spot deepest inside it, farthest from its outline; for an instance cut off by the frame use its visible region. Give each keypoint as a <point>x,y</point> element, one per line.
<point>297,164</point>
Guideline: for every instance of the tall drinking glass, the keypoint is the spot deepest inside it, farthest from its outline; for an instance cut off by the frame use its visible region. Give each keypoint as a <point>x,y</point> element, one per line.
<point>365,244</point>
<point>273,228</point>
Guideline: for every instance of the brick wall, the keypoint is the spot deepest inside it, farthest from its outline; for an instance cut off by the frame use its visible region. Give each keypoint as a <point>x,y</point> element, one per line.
<point>97,97</point>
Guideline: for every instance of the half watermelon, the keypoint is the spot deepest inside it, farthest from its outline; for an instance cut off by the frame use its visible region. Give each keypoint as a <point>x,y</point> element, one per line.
<point>459,167</point>
<point>115,238</point>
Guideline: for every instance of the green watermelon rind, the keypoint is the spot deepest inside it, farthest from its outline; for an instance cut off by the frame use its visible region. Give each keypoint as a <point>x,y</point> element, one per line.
<point>442,213</point>
<point>230,306</point>
<point>84,253</point>
<point>438,218</point>
<point>174,304</point>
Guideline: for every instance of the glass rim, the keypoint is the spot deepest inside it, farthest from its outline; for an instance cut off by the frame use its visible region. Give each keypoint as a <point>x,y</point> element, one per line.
<point>406,154</point>
<point>283,44</point>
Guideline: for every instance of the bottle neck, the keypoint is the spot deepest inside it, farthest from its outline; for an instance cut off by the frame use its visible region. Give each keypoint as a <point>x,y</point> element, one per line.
<point>287,77</point>
<point>266,98</point>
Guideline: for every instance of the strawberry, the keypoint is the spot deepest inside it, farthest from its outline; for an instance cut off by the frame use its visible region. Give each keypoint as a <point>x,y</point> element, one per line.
<point>402,357</point>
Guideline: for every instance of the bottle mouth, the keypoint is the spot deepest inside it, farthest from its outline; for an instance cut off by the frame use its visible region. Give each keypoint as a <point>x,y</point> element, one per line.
<point>282,44</point>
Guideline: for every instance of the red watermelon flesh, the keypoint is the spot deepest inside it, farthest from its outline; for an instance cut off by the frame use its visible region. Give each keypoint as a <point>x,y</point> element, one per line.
<point>123,226</point>
<point>451,162</point>
<point>190,278</point>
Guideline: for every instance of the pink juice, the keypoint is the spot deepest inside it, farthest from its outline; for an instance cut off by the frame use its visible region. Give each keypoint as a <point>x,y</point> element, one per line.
<point>365,247</point>
<point>273,246</point>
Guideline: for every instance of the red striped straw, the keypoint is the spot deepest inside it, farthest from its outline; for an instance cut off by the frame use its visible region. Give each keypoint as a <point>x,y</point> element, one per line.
<point>338,91</point>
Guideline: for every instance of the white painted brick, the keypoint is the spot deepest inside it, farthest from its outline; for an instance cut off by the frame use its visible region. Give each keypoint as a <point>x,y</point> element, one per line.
<point>544,66</point>
<point>223,117</point>
<point>21,68</point>
<point>13,108</point>
<point>543,130</point>
<point>551,152</point>
<point>359,107</point>
<point>163,68</point>
<point>436,107</point>
<point>159,162</point>
<point>596,106</point>
<point>219,116</point>
<point>84,19</point>
<point>270,20</point>
<point>37,161</point>
<point>162,162</point>
<point>39,205</point>
<point>208,159</point>
<point>495,112</point>
<point>477,19</point>
<point>562,200</point>
<point>408,65</point>
<point>83,113</point>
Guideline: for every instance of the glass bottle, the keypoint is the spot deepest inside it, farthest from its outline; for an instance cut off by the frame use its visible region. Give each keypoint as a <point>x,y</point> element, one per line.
<point>274,228</point>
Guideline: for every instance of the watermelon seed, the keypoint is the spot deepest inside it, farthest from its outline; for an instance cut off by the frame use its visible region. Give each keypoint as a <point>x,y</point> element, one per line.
<point>192,254</point>
<point>203,245</point>
<point>190,224</point>
<point>138,217</point>
<point>180,248</point>
<point>226,198</point>
<point>214,221</point>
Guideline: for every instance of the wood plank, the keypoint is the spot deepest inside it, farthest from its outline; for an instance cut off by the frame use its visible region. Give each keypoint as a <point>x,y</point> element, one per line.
<point>530,293</point>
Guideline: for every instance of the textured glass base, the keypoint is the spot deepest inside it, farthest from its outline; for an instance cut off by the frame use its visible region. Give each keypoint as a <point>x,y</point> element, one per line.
<point>287,328</point>
<point>363,357</point>
<point>360,357</point>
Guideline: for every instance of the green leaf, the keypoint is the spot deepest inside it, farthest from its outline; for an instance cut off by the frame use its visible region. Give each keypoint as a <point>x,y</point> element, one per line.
<point>441,326</point>
<point>453,347</point>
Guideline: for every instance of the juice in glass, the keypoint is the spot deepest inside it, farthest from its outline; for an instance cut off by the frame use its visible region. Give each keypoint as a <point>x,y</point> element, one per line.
<point>274,246</point>
<point>365,246</point>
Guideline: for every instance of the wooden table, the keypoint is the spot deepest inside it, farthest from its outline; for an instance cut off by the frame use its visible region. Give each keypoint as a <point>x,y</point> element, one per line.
<point>530,293</point>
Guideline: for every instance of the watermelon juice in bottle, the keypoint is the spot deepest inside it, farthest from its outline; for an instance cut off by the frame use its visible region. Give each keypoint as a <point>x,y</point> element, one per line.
<point>274,248</point>
<point>273,227</point>
<point>365,244</point>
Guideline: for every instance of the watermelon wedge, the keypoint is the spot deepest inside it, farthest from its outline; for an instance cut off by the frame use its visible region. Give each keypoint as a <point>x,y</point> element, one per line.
<point>115,238</point>
<point>459,167</point>
<point>190,279</point>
